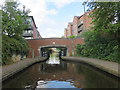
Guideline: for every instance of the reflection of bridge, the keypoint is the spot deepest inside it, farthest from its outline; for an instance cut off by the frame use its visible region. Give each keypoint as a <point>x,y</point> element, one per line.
<point>38,45</point>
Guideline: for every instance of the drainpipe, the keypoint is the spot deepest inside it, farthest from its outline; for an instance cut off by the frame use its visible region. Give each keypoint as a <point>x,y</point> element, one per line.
<point>33,55</point>
<point>73,46</point>
<point>67,52</point>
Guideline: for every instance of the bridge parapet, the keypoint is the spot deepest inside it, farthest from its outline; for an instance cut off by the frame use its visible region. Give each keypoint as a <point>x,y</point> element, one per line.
<point>35,44</point>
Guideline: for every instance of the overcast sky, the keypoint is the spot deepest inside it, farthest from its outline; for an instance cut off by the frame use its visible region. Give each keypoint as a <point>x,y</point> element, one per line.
<point>52,16</point>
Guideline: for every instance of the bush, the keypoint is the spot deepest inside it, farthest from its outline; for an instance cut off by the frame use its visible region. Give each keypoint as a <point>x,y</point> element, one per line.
<point>12,46</point>
<point>97,46</point>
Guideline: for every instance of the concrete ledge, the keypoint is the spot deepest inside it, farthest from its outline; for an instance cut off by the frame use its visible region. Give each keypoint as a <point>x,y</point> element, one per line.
<point>107,66</point>
<point>10,70</point>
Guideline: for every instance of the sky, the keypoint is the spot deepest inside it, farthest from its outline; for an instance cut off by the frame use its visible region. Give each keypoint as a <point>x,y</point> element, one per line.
<point>52,16</point>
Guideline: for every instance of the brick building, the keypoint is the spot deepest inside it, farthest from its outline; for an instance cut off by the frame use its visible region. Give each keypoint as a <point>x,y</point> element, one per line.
<point>65,33</point>
<point>85,22</point>
<point>75,25</point>
<point>79,24</point>
<point>31,32</point>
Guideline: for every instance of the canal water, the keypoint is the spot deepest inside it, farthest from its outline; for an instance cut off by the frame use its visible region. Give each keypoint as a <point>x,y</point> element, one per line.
<point>55,73</point>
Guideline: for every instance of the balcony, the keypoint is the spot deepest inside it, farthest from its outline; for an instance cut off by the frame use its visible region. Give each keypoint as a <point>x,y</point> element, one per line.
<point>29,28</point>
<point>80,30</point>
<point>27,34</point>
<point>80,24</point>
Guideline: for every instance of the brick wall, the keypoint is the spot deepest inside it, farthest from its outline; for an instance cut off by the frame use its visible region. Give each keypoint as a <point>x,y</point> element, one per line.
<point>69,29</point>
<point>75,25</point>
<point>85,19</point>
<point>65,33</point>
<point>35,44</point>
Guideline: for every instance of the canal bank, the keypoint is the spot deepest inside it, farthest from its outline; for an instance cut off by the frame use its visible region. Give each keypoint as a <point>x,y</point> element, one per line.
<point>107,66</point>
<point>55,73</point>
<point>10,70</point>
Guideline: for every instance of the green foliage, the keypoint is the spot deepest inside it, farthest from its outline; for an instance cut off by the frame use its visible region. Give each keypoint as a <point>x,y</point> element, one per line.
<point>104,41</point>
<point>99,47</point>
<point>72,36</point>
<point>13,19</point>
<point>12,46</point>
<point>106,17</point>
<point>13,25</point>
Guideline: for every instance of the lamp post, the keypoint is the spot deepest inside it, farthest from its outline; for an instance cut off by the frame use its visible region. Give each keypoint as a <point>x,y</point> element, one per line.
<point>84,3</point>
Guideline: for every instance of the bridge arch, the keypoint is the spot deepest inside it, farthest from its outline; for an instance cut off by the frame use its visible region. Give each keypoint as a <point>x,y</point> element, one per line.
<point>35,44</point>
<point>43,49</point>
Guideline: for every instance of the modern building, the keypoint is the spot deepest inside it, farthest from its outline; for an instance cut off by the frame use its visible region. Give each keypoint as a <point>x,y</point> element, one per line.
<point>65,33</point>
<point>31,32</point>
<point>75,25</point>
<point>85,22</point>
<point>79,25</point>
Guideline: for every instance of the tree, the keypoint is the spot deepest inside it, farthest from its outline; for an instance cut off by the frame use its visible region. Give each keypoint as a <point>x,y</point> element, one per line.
<point>13,19</point>
<point>13,25</point>
<point>106,17</point>
<point>103,41</point>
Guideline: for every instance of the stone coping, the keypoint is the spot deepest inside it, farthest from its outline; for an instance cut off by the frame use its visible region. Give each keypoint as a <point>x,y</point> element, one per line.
<point>10,70</point>
<point>107,66</point>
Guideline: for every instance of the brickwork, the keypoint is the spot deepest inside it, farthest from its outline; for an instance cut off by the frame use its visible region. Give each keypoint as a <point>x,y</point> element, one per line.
<point>85,22</point>
<point>75,25</point>
<point>35,44</point>
<point>69,32</point>
<point>79,24</point>
<point>65,33</point>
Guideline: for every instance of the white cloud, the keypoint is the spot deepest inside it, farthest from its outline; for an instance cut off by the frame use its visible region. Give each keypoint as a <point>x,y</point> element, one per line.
<point>40,13</point>
<point>1,2</point>
<point>38,9</point>
<point>52,11</point>
<point>62,3</point>
<point>52,32</point>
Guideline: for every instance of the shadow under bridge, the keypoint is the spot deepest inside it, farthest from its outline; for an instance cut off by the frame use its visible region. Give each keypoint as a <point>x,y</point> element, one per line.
<point>45,51</point>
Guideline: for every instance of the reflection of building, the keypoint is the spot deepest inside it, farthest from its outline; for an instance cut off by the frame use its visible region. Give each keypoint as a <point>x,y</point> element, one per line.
<point>31,32</point>
<point>79,24</point>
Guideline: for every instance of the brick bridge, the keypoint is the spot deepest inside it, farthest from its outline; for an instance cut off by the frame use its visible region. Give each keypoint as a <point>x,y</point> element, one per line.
<point>37,44</point>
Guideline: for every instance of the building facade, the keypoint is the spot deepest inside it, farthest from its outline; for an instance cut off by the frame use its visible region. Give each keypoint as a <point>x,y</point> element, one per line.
<point>85,22</point>
<point>75,25</point>
<point>79,25</point>
<point>31,32</point>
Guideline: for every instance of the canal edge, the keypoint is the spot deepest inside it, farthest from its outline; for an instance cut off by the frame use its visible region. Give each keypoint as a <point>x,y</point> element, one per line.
<point>7,75</point>
<point>100,67</point>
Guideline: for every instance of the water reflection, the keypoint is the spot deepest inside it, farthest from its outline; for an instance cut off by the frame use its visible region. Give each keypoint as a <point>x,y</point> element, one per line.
<point>52,74</point>
<point>53,60</point>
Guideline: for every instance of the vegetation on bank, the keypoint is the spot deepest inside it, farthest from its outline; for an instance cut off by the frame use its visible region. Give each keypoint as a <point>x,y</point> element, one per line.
<point>13,25</point>
<point>72,36</point>
<point>103,40</point>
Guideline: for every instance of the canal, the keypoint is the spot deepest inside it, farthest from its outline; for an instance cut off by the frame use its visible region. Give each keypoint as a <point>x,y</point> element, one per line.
<point>55,73</point>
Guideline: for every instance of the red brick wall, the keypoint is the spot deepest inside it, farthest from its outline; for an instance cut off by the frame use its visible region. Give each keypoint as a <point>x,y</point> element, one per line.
<point>65,33</point>
<point>69,29</point>
<point>75,25</point>
<point>37,43</point>
<point>87,20</point>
